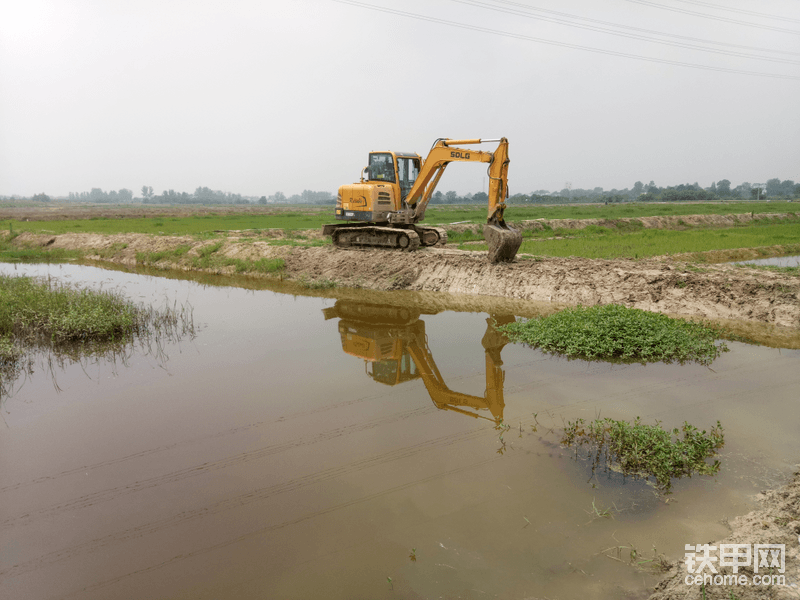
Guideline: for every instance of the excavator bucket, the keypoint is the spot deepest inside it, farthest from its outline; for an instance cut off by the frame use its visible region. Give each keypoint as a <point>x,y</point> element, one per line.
<point>503,242</point>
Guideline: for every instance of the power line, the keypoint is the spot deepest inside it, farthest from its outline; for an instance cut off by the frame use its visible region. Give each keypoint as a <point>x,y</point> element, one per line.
<point>635,36</point>
<point>561,44</point>
<point>713,17</point>
<point>641,29</point>
<point>741,11</point>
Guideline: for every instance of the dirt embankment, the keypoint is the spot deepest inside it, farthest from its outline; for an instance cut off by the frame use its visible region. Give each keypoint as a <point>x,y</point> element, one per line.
<point>776,521</point>
<point>712,292</point>
<point>632,223</point>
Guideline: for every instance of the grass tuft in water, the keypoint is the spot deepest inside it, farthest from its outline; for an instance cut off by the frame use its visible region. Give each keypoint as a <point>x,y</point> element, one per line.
<point>42,315</point>
<point>614,332</point>
<point>648,450</point>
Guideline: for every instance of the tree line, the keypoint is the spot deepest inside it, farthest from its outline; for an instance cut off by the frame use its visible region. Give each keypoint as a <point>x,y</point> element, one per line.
<point>639,192</point>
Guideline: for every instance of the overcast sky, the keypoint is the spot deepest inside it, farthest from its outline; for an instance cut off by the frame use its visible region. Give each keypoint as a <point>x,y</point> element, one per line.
<point>255,97</point>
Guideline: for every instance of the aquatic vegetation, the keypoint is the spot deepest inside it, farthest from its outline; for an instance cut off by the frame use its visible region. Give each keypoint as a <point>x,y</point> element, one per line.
<point>616,332</point>
<point>41,315</point>
<point>641,450</point>
<point>318,284</point>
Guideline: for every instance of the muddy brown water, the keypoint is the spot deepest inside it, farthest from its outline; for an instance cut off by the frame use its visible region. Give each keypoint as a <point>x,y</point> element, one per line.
<point>301,447</point>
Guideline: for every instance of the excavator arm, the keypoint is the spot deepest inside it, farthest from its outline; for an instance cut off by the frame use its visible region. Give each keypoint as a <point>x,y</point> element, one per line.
<point>445,398</point>
<point>502,240</point>
<point>444,152</point>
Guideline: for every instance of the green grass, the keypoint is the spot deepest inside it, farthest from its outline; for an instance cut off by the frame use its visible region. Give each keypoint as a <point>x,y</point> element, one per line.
<point>193,225</point>
<point>658,242</point>
<point>318,284</point>
<point>36,310</point>
<point>613,332</point>
<point>41,312</point>
<point>65,321</point>
<point>793,271</point>
<point>208,258</point>
<point>11,253</point>
<point>521,212</point>
<point>648,450</point>
<point>314,218</point>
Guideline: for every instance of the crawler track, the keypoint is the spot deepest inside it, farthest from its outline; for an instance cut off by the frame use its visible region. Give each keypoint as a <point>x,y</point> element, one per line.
<point>376,237</point>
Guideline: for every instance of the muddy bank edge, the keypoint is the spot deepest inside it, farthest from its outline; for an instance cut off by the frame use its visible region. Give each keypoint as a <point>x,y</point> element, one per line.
<point>707,291</point>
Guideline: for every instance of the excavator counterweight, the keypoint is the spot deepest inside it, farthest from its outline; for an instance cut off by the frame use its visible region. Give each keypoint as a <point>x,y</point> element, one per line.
<point>385,208</point>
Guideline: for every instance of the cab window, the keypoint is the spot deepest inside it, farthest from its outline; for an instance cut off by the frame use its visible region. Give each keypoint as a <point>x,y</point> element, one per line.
<point>381,167</point>
<point>407,170</point>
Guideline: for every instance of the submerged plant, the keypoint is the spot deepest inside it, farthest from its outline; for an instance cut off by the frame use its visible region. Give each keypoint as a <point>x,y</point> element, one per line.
<point>616,332</point>
<point>648,450</point>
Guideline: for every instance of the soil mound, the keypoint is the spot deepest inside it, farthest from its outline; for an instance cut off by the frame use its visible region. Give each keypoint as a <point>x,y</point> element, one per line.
<point>776,521</point>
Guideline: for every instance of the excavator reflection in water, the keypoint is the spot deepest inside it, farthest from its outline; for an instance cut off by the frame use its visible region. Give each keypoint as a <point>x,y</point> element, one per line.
<point>393,344</point>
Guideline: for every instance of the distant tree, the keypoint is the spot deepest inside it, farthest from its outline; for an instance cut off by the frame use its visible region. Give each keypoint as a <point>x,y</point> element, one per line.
<point>797,190</point>
<point>481,198</point>
<point>41,198</point>
<point>757,193</point>
<point>312,197</point>
<point>638,189</point>
<point>685,193</point>
<point>774,187</point>
<point>451,197</point>
<point>147,192</point>
<point>262,200</point>
<point>713,188</point>
<point>277,197</point>
<point>97,195</point>
<point>723,188</point>
<point>437,198</point>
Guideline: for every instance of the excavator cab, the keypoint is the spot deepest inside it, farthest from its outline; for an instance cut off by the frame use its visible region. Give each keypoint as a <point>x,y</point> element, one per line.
<point>381,167</point>
<point>393,370</point>
<point>408,166</point>
<point>401,168</point>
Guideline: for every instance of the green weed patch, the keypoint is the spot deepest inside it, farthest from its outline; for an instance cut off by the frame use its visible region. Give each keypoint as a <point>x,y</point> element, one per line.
<point>34,311</point>
<point>614,332</point>
<point>41,315</point>
<point>640,450</point>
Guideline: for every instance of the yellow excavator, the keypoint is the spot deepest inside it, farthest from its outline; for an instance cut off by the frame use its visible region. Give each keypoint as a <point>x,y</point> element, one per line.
<point>392,343</point>
<point>383,210</point>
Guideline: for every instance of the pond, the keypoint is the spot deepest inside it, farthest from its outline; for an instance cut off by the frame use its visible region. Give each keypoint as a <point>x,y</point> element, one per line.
<point>375,447</point>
